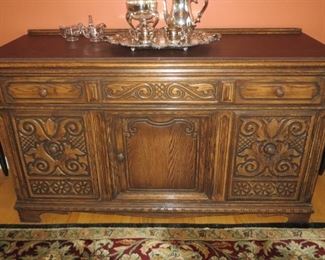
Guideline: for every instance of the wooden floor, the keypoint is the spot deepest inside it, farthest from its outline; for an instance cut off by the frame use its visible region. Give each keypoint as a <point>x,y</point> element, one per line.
<point>8,214</point>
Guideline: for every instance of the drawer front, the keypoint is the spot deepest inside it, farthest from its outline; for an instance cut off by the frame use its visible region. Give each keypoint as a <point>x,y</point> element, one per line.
<point>278,91</point>
<point>178,91</point>
<point>43,91</point>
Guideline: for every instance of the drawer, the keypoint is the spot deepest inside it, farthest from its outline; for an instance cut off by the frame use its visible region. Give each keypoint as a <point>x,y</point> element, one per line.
<point>178,91</point>
<point>53,91</point>
<point>278,91</point>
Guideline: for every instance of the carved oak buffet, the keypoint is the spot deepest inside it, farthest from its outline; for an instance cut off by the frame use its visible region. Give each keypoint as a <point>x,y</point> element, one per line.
<point>232,127</point>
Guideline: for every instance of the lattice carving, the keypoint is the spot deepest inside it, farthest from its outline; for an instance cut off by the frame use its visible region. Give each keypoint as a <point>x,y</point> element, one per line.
<point>156,91</point>
<point>264,190</point>
<point>61,187</point>
<point>270,146</point>
<point>53,146</point>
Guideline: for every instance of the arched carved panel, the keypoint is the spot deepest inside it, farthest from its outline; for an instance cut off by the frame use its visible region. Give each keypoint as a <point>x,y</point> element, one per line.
<point>190,127</point>
<point>159,155</point>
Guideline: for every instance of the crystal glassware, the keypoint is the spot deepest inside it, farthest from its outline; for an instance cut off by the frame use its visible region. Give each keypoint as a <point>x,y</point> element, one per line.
<point>71,33</point>
<point>95,33</point>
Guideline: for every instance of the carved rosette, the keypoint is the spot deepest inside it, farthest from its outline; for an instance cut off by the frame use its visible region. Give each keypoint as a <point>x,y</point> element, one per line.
<point>268,148</point>
<point>159,91</point>
<point>53,146</point>
<point>264,190</point>
<point>55,149</point>
<point>271,146</point>
<point>61,187</point>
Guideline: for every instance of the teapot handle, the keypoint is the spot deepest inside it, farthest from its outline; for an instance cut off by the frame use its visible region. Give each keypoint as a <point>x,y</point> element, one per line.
<point>129,19</point>
<point>199,15</point>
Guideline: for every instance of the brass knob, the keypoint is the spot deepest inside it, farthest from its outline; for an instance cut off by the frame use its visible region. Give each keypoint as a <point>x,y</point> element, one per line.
<point>270,149</point>
<point>120,157</point>
<point>279,92</point>
<point>53,148</point>
<point>43,92</point>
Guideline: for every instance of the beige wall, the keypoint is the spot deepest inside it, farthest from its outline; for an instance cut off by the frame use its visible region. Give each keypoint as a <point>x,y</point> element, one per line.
<point>16,16</point>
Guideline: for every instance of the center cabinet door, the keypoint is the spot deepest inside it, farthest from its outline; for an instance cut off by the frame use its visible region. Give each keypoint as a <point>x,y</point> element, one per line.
<point>161,156</point>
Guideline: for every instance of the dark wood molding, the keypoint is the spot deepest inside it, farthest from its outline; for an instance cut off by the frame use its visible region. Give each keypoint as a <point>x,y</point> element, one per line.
<point>40,32</point>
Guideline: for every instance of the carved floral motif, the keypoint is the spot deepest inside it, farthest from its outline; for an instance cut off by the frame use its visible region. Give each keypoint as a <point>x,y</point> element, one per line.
<point>268,148</point>
<point>271,146</point>
<point>61,187</point>
<point>156,91</point>
<point>255,189</point>
<point>53,146</point>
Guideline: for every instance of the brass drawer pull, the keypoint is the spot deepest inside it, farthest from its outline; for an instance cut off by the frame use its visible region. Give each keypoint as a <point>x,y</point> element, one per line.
<point>43,92</point>
<point>279,92</point>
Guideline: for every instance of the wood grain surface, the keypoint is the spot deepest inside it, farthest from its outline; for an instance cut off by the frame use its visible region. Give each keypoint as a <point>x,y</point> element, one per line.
<point>234,127</point>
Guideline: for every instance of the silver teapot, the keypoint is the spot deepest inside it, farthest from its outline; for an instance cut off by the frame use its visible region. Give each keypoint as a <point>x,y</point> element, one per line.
<point>181,21</point>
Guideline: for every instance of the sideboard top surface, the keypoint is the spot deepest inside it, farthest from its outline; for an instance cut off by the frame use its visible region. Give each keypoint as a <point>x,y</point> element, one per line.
<point>264,47</point>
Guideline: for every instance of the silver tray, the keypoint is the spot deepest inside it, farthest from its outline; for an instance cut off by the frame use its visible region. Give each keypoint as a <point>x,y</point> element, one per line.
<point>160,40</point>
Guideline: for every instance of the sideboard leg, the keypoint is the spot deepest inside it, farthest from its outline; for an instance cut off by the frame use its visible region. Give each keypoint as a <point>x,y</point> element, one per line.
<point>29,215</point>
<point>298,218</point>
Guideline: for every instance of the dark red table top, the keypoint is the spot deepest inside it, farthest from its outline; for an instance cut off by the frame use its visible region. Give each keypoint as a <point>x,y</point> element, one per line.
<point>230,47</point>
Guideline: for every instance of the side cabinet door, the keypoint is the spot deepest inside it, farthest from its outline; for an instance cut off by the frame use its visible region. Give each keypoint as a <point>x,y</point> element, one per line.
<point>55,153</point>
<point>271,151</point>
<point>161,156</point>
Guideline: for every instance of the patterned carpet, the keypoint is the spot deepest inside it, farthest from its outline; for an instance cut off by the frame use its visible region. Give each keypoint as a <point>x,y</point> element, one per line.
<point>164,242</point>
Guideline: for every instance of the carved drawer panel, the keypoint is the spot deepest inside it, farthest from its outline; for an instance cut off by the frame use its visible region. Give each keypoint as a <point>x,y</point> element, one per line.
<point>158,91</point>
<point>54,152</point>
<point>43,91</point>
<point>293,91</point>
<point>270,156</point>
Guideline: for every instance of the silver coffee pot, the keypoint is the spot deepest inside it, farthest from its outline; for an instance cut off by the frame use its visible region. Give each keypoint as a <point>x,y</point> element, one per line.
<point>181,21</point>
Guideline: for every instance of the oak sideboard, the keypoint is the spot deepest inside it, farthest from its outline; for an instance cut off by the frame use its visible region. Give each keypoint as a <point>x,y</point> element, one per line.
<point>233,127</point>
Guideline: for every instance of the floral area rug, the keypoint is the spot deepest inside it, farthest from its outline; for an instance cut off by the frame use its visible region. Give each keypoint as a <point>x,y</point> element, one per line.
<point>127,242</point>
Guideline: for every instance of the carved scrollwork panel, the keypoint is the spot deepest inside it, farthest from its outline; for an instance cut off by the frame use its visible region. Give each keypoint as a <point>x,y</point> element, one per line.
<point>190,127</point>
<point>271,146</point>
<point>62,187</point>
<point>159,91</point>
<point>264,190</point>
<point>53,146</point>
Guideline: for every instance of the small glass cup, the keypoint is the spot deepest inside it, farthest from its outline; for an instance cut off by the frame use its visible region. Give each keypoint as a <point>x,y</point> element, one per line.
<point>71,33</point>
